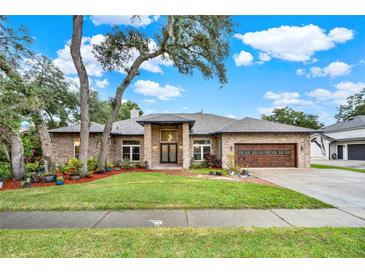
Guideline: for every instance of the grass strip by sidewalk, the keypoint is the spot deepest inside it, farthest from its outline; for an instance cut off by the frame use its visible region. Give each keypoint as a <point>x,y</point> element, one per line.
<point>337,167</point>
<point>140,190</point>
<point>184,242</point>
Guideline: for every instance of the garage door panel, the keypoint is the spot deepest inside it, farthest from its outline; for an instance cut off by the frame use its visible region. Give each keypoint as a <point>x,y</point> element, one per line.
<point>265,155</point>
<point>356,152</point>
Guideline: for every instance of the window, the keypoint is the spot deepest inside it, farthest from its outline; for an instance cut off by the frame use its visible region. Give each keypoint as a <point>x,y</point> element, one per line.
<point>201,148</point>
<point>76,148</point>
<point>169,135</point>
<point>131,150</point>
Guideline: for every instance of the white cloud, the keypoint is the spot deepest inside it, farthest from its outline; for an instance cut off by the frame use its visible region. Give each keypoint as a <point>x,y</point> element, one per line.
<point>340,35</point>
<point>102,83</point>
<point>339,95</point>
<point>264,57</point>
<point>282,99</point>
<point>265,111</point>
<point>333,70</point>
<point>74,83</point>
<point>300,72</point>
<point>151,88</point>
<point>64,60</point>
<point>142,21</point>
<point>185,108</point>
<point>231,116</point>
<point>293,43</point>
<point>149,101</point>
<point>244,58</point>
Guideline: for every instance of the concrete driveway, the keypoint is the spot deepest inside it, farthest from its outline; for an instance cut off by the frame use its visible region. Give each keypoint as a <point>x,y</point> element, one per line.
<point>343,189</point>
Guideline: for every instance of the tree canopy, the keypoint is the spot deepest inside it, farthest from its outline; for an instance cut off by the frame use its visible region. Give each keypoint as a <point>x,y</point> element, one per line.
<point>354,106</point>
<point>291,117</point>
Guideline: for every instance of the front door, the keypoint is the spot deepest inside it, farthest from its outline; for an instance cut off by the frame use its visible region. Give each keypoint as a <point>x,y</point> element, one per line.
<point>168,153</point>
<point>340,152</point>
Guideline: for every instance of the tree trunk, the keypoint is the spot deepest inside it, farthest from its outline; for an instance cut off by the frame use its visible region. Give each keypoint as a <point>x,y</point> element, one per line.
<point>46,144</point>
<point>84,90</point>
<point>133,72</point>
<point>16,152</point>
<point>104,149</point>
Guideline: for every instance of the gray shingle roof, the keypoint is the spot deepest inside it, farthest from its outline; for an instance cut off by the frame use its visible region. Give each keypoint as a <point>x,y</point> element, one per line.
<point>356,122</point>
<point>94,128</point>
<point>165,118</point>
<point>256,125</point>
<point>202,123</point>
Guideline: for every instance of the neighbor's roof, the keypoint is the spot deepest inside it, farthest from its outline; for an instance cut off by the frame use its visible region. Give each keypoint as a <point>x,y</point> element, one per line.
<point>94,128</point>
<point>352,123</point>
<point>256,125</point>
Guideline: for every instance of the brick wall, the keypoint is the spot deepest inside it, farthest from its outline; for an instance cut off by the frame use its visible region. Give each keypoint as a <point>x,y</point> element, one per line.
<point>301,139</point>
<point>63,146</point>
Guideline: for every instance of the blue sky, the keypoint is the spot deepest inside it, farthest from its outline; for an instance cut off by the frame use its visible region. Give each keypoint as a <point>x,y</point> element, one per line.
<point>309,63</point>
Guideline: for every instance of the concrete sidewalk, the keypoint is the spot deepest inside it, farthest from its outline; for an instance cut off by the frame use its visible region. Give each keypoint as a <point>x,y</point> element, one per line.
<point>345,217</point>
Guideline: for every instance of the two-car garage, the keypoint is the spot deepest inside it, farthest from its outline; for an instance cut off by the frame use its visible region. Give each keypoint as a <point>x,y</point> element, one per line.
<point>265,155</point>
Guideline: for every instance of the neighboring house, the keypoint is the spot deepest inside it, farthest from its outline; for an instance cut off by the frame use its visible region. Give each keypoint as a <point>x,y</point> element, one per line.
<point>343,140</point>
<point>177,139</point>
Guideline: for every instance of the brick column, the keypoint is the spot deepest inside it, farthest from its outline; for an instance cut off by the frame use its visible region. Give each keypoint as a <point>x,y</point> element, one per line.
<point>186,146</point>
<point>148,144</point>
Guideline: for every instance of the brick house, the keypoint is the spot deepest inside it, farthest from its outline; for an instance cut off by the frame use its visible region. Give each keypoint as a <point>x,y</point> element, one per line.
<point>174,140</point>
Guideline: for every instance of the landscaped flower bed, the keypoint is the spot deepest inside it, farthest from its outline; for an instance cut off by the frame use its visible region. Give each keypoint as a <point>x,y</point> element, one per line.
<point>13,184</point>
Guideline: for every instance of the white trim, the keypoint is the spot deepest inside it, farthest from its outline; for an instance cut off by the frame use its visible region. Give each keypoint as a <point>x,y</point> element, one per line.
<point>131,151</point>
<point>202,149</point>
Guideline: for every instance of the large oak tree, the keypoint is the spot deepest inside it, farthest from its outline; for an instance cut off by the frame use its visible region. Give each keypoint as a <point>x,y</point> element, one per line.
<point>189,42</point>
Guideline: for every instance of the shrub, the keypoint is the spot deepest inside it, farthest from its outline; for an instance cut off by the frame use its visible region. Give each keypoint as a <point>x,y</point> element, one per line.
<point>32,167</point>
<point>73,166</point>
<point>92,165</point>
<point>211,161</point>
<point>5,171</point>
<point>126,164</point>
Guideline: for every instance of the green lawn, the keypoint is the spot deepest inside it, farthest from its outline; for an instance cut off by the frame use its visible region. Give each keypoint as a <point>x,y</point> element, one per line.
<point>338,167</point>
<point>184,242</point>
<point>141,190</point>
<point>207,170</point>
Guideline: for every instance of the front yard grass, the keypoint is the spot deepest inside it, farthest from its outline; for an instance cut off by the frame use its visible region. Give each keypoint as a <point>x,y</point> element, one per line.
<point>153,190</point>
<point>338,167</point>
<point>184,242</point>
<point>206,171</point>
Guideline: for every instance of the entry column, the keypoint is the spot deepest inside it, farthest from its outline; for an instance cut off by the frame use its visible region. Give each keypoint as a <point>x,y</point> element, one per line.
<point>186,146</point>
<point>147,144</point>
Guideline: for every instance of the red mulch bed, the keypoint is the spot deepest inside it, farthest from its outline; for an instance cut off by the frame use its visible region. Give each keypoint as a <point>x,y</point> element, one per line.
<point>13,184</point>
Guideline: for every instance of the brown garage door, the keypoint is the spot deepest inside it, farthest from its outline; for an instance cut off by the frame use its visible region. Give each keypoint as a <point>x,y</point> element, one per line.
<point>265,155</point>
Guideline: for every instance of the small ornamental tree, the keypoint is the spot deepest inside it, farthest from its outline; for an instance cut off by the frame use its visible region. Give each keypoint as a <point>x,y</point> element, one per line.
<point>189,42</point>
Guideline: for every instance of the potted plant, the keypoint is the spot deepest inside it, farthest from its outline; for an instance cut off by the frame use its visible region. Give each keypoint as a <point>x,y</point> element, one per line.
<point>117,166</point>
<point>74,168</point>
<point>60,181</point>
<point>108,167</point>
<point>49,177</point>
